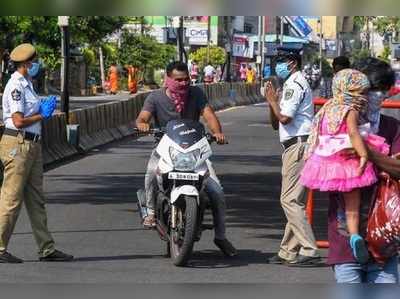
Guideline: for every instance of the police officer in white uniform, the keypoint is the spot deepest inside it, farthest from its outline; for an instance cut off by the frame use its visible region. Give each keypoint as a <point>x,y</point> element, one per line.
<point>21,155</point>
<point>294,111</point>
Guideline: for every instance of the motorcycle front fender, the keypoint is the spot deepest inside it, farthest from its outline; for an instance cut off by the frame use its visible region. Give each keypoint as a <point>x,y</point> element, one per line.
<point>188,190</point>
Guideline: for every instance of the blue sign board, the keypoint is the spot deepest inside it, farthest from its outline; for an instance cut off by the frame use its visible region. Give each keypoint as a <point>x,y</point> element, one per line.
<point>301,25</point>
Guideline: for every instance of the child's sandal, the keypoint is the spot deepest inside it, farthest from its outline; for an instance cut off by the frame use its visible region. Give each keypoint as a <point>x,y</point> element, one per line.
<point>359,248</point>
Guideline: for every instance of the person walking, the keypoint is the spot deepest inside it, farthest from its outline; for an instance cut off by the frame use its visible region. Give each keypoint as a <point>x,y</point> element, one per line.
<point>209,73</point>
<point>132,79</point>
<point>113,78</point>
<point>194,72</point>
<point>242,72</point>
<point>21,155</point>
<point>250,75</point>
<point>295,113</point>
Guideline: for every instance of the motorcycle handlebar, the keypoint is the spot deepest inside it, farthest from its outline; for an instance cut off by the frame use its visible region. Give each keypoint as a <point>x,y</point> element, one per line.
<point>160,131</point>
<point>211,139</point>
<point>150,131</point>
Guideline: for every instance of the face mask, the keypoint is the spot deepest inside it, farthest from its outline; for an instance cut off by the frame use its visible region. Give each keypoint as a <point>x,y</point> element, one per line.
<point>282,70</point>
<point>179,92</point>
<point>375,99</point>
<point>34,69</point>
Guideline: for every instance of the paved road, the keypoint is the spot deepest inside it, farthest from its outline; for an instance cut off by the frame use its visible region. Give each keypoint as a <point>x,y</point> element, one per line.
<point>92,214</point>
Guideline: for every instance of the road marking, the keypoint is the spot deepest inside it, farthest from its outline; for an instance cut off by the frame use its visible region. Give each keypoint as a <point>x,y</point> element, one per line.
<point>231,108</point>
<point>227,124</point>
<point>259,125</point>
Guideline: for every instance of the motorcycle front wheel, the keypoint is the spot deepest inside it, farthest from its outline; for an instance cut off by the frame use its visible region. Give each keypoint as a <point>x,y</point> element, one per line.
<point>183,237</point>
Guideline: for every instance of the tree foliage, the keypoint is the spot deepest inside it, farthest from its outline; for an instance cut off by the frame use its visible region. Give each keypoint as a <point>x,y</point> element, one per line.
<point>359,54</point>
<point>44,33</point>
<point>209,55</point>
<point>385,54</point>
<point>143,51</point>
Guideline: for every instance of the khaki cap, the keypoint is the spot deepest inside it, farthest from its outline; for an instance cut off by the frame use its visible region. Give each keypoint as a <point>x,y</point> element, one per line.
<point>22,53</point>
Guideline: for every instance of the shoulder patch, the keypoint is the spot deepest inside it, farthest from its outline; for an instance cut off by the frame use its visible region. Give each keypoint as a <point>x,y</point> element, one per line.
<point>16,95</point>
<point>288,94</point>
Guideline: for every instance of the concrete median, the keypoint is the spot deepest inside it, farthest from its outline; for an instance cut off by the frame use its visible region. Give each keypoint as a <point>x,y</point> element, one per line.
<point>55,142</point>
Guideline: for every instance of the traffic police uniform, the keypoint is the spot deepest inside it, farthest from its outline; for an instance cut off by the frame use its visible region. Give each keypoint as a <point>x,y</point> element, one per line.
<point>21,155</point>
<point>296,103</point>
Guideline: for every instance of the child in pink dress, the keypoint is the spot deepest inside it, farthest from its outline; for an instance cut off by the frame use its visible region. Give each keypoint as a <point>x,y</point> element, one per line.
<point>338,131</point>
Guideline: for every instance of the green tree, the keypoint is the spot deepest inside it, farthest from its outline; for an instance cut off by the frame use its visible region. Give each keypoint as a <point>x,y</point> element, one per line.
<point>359,54</point>
<point>144,52</point>
<point>93,29</point>
<point>388,26</point>
<point>327,70</point>
<point>385,54</point>
<point>43,31</point>
<point>209,55</point>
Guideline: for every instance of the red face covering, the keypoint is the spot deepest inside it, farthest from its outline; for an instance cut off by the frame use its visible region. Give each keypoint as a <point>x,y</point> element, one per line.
<point>179,92</point>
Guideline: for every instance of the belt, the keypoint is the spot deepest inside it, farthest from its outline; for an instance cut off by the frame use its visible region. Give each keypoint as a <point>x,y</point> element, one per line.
<point>26,135</point>
<point>288,143</point>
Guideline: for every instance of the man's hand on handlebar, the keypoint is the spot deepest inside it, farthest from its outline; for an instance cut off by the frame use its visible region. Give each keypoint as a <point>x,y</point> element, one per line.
<point>220,138</point>
<point>143,127</point>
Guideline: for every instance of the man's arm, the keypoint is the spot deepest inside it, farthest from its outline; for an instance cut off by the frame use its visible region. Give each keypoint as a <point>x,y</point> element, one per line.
<point>385,163</point>
<point>273,119</point>
<point>21,122</point>
<point>213,123</point>
<point>273,101</point>
<point>143,121</point>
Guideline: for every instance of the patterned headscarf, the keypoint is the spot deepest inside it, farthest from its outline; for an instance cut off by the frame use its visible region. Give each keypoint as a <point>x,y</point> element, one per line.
<point>347,85</point>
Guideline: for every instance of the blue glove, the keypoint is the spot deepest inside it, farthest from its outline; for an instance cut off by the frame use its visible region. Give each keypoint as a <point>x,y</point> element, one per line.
<point>47,106</point>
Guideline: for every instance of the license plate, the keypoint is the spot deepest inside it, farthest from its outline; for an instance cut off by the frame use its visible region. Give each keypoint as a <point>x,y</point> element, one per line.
<point>183,176</point>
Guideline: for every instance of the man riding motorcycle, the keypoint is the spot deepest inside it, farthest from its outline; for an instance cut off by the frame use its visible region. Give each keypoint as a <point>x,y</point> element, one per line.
<point>179,100</point>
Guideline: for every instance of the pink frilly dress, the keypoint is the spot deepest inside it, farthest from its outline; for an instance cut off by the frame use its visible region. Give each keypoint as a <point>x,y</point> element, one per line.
<point>332,167</point>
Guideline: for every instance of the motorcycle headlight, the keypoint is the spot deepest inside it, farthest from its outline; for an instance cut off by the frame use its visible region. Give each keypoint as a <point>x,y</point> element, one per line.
<point>184,161</point>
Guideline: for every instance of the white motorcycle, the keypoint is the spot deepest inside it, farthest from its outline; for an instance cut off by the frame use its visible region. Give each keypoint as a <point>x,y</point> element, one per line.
<point>184,150</point>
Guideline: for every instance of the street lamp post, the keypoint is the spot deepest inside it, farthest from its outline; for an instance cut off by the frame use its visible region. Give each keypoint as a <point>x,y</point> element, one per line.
<point>262,47</point>
<point>181,38</point>
<point>63,23</point>
<point>321,40</point>
<point>228,47</point>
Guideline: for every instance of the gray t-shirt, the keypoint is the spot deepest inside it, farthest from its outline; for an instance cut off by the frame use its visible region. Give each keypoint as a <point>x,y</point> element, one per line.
<point>163,109</point>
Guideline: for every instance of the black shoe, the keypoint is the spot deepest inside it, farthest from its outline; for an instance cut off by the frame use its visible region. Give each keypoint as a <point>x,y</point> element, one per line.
<point>226,247</point>
<point>56,256</point>
<point>305,261</point>
<point>277,260</point>
<point>6,257</point>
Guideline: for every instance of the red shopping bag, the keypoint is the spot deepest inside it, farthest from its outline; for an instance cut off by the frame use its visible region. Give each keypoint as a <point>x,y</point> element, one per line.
<point>383,231</point>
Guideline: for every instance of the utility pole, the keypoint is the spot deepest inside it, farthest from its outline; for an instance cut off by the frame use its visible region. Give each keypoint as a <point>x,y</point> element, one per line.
<point>180,39</point>
<point>208,38</point>
<point>142,22</point>
<point>102,75</point>
<point>281,39</point>
<point>321,38</point>
<point>277,42</point>
<point>372,38</point>
<point>259,46</point>
<point>262,46</point>
<point>228,47</point>
<point>63,23</point>
<point>368,36</point>
<point>277,27</point>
